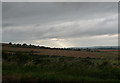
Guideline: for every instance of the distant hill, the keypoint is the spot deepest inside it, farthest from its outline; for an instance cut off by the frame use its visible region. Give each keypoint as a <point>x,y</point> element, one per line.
<point>99,47</point>
<point>38,50</point>
<point>71,48</point>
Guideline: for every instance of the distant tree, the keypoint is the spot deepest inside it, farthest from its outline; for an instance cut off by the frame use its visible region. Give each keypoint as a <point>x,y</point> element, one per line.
<point>14,44</point>
<point>30,45</point>
<point>10,43</point>
<point>38,46</point>
<point>24,44</point>
<point>18,44</point>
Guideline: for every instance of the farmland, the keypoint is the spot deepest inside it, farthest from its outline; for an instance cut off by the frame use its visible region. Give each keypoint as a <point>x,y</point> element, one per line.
<point>37,64</point>
<point>68,53</point>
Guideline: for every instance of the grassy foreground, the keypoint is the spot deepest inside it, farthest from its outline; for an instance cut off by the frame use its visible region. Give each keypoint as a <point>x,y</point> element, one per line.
<point>20,66</point>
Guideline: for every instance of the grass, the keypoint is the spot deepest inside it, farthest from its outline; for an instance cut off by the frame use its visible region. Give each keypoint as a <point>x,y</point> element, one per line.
<point>22,67</point>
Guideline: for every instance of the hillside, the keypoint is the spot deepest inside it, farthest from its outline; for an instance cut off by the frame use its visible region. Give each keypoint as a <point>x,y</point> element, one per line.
<point>56,52</point>
<point>36,64</point>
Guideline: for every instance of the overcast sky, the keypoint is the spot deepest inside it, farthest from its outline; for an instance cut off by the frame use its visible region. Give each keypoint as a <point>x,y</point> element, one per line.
<point>59,0</point>
<point>66,24</point>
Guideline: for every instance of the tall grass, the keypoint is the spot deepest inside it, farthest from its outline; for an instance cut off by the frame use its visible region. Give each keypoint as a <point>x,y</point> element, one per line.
<point>24,67</point>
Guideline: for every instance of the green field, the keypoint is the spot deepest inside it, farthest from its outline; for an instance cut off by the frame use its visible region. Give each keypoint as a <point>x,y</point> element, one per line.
<point>20,66</point>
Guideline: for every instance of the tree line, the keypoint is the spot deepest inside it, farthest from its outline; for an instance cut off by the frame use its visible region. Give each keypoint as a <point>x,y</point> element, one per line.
<point>44,47</point>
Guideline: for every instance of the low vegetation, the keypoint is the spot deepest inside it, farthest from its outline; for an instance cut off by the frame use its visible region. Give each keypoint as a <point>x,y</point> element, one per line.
<point>22,66</point>
<point>21,63</point>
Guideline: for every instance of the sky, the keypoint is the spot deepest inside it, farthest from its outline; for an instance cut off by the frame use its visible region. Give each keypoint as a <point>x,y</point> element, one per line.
<point>59,0</point>
<point>60,24</point>
<point>0,22</point>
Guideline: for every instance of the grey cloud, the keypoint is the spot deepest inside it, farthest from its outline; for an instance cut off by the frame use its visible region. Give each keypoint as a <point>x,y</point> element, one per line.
<point>60,1</point>
<point>37,21</point>
<point>31,13</point>
<point>0,22</point>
